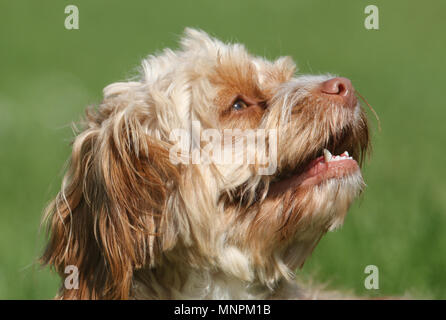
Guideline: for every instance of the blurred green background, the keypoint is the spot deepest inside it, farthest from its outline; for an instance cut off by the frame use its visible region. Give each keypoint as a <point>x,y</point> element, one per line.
<point>50,74</point>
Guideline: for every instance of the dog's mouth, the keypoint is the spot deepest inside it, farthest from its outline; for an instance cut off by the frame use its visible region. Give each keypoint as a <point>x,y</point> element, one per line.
<point>336,160</point>
<point>322,168</point>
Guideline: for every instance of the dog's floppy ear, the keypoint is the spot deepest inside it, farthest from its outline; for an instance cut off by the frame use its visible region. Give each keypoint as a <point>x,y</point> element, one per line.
<point>108,219</point>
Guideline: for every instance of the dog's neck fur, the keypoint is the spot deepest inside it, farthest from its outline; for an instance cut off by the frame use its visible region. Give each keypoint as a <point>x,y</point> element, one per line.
<point>188,283</point>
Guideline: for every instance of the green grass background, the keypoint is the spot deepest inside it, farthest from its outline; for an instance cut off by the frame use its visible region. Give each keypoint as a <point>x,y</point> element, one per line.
<point>50,74</point>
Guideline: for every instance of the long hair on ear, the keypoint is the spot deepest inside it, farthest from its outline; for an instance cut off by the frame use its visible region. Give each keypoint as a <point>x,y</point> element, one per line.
<point>109,217</point>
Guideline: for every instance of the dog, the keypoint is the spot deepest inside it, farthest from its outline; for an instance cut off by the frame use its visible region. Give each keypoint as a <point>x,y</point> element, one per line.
<point>145,213</point>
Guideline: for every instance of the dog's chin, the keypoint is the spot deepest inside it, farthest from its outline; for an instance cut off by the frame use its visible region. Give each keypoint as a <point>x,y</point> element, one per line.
<point>326,186</point>
<point>317,201</point>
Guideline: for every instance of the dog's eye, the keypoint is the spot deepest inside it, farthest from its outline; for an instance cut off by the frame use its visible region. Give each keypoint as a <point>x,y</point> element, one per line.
<point>239,105</point>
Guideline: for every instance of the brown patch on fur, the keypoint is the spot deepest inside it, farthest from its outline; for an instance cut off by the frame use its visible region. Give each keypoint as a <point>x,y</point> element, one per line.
<point>237,80</point>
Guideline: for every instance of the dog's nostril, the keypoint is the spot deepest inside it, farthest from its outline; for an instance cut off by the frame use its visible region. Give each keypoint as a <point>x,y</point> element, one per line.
<point>337,86</point>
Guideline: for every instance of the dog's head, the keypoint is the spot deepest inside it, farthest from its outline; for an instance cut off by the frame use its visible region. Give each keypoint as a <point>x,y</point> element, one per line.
<point>214,160</point>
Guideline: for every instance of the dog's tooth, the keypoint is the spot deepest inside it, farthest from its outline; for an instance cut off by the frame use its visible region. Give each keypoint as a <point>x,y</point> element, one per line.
<point>327,155</point>
<point>346,153</point>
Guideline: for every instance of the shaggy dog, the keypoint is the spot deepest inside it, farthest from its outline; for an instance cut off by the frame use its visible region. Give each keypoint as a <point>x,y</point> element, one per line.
<point>149,209</point>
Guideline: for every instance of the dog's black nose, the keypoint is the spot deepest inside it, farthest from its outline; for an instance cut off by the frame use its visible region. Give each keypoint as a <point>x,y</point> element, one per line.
<point>341,87</point>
